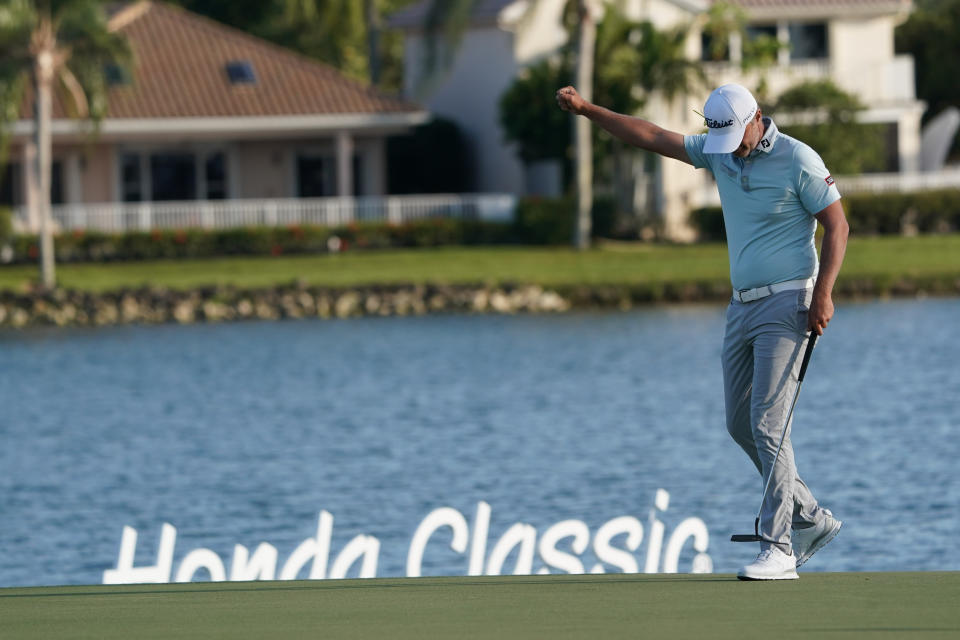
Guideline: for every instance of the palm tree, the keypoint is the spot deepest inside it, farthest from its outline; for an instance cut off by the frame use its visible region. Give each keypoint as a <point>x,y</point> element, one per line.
<point>50,46</point>
<point>635,61</point>
<point>583,142</point>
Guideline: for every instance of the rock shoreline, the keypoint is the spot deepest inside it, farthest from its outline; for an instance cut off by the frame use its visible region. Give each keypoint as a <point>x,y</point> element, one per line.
<point>152,305</point>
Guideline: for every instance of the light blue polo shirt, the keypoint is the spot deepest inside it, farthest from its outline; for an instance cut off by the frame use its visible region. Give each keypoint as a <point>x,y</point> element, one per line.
<point>769,201</point>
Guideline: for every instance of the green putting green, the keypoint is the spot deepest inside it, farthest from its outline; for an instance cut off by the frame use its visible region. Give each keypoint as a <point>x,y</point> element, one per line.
<point>819,605</point>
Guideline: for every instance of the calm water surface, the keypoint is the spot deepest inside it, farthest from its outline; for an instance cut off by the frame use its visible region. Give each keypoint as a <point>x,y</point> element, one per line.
<point>243,433</point>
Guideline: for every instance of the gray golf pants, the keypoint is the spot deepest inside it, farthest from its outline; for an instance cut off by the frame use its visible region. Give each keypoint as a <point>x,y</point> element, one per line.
<point>762,351</point>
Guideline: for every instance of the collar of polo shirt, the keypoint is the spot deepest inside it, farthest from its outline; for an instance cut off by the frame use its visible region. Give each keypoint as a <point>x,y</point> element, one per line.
<point>769,138</point>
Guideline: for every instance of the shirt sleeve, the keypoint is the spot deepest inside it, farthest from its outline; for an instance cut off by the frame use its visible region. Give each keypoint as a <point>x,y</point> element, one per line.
<point>815,185</point>
<point>694,146</point>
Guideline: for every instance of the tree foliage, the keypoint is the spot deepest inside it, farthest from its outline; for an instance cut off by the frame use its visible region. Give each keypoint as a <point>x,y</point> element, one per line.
<point>633,60</point>
<point>846,146</point>
<point>932,36</point>
<point>336,32</point>
<point>54,47</point>
<point>529,115</point>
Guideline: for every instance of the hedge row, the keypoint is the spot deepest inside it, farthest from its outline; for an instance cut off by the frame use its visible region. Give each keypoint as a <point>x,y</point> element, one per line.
<point>878,214</point>
<point>538,221</point>
<point>87,246</point>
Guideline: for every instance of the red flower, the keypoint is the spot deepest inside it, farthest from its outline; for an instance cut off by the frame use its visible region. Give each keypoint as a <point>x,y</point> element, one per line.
<point>180,237</point>
<point>276,250</point>
<point>33,251</point>
<point>296,230</point>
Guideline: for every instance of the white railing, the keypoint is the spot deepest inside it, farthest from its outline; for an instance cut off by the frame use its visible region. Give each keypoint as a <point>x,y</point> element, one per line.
<point>222,214</point>
<point>877,81</point>
<point>706,195</point>
<point>900,182</point>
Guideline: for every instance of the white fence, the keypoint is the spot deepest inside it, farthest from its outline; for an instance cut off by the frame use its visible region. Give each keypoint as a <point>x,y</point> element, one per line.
<point>900,182</point>
<point>222,214</point>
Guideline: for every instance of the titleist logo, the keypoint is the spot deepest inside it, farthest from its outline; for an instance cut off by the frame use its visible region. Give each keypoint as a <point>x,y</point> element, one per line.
<point>718,124</point>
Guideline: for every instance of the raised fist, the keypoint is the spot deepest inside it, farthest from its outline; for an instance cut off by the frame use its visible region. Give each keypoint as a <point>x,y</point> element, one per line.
<point>570,100</point>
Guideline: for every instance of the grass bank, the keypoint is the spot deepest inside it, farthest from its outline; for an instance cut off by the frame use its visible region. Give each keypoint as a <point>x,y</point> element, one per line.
<point>819,605</point>
<point>882,263</point>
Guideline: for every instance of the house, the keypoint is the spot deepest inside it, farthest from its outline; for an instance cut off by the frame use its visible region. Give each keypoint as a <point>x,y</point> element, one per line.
<point>212,113</point>
<point>847,41</point>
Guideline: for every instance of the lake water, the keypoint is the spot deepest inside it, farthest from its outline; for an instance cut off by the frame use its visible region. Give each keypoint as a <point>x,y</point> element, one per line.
<point>244,433</point>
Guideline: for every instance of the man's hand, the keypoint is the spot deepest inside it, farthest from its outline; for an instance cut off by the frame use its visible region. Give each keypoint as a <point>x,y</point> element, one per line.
<point>820,313</point>
<point>570,100</point>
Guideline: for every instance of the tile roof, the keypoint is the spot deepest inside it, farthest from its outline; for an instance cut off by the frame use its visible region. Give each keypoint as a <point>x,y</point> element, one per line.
<point>180,72</point>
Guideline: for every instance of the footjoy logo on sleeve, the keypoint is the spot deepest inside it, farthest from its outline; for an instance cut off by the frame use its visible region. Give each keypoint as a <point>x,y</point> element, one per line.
<point>829,180</point>
<point>615,546</point>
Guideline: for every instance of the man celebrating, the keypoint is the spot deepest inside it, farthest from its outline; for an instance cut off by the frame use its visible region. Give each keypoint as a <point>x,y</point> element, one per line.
<point>773,189</point>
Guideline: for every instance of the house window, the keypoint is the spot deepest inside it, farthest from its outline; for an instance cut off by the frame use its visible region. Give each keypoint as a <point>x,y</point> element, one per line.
<point>316,176</point>
<point>241,72</point>
<point>757,30</point>
<point>215,172</point>
<point>173,176</point>
<point>130,182</point>
<point>359,181</point>
<point>706,49</point>
<point>11,186</point>
<point>116,75</point>
<point>808,41</point>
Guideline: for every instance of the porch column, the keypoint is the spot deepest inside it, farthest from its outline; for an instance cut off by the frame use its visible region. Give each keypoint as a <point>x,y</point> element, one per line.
<point>344,164</point>
<point>73,178</point>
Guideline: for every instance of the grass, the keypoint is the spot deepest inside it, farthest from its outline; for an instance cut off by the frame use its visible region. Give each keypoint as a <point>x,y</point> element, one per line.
<point>884,259</point>
<point>819,605</point>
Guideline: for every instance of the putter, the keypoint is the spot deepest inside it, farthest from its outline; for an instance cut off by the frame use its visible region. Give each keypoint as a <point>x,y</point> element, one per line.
<point>755,536</point>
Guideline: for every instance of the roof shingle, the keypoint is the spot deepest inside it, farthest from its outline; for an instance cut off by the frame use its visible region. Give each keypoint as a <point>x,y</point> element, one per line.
<point>180,72</point>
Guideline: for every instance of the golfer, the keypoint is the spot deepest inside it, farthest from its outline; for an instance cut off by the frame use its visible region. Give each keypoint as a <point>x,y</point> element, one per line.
<point>773,190</point>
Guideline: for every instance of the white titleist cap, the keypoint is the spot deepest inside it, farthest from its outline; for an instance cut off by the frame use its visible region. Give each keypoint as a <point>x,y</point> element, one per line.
<point>728,110</point>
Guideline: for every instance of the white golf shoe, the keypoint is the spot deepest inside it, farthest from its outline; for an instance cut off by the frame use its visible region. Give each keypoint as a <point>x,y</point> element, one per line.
<point>771,564</point>
<point>807,542</point>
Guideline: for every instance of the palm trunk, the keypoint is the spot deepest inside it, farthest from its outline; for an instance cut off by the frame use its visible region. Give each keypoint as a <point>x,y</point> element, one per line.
<point>584,146</point>
<point>373,39</point>
<point>43,81</point>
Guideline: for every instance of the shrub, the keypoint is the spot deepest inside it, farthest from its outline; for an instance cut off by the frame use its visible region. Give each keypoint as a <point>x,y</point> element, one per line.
<point>889,213</point>
<point>545,220</point>
<point>708,221</point>
<point>95,246</point>
<point>552,221</point>
<point>6,224</point>
<point>869,214</point>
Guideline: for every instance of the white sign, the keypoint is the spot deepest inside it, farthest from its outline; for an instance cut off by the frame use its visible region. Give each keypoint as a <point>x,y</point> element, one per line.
<point>472,542</point>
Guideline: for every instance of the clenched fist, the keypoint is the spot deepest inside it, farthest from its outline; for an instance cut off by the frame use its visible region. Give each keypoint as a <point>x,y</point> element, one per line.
<point>570,100</point>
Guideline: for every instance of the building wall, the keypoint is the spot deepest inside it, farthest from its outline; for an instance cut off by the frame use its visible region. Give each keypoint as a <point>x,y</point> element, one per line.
<point>263,169</point>
<point>99,174</point>
<point>469,95</point>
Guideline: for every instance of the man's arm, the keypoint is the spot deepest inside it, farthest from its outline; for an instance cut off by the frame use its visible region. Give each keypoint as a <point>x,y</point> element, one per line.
<point>635,131</point>
<point>832,250</point>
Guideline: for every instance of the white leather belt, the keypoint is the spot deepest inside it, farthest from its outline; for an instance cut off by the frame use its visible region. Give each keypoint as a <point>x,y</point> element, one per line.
<point>749,295</point>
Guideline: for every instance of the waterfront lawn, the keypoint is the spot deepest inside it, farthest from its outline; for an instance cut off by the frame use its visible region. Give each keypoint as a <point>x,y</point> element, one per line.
<point>882,259</point>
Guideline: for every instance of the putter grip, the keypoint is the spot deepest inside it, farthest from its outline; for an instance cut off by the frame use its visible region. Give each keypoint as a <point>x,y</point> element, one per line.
<point>806,356</point>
